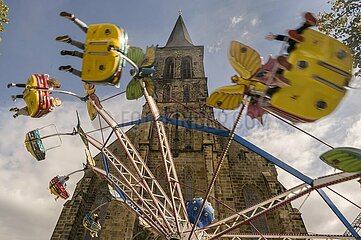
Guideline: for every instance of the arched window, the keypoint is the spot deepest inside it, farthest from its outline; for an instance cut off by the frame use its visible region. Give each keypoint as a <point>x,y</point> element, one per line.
<point>252,196</point>
<point>169,68</point>
<point>186,94</point>
<point>166,93</point>
<point>186,67</point>
<point>188,183</point>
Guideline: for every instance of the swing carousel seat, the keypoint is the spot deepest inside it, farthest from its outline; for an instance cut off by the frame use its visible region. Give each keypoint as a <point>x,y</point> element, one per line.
<point>57,188</point>
<point>90,224</point>
<point>321,69</point>
<point>37,100</point>
<point>207,215</point>
<point>101,65</point>
<point>34,145</point>
<point>346,159</point>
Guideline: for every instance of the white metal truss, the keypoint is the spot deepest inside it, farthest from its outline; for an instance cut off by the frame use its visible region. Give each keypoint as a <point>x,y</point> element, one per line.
<point>286,237</point>
<point>356,224</point>
<point>143,173</point>
<point>176,195</point>
<point>141,210</point>
<point>226,225</point>
<point>135,188</point>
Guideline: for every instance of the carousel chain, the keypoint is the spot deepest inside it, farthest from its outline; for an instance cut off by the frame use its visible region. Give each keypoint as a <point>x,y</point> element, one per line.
<point>218,168</point>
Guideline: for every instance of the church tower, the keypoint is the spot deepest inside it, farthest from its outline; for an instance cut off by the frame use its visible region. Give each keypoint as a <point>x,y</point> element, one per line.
<point>245,178</point>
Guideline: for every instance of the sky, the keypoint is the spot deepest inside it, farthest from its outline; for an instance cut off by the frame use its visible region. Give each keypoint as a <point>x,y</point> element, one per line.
<point>28,211</point>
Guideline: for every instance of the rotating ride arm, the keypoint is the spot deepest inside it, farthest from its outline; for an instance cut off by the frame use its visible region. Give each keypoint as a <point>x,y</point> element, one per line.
<point>134,188</point>
<point>178,204</point>
<point>144,175</point>
<point>286,237</point>
<point>226,225</point>
<point>130,202</point>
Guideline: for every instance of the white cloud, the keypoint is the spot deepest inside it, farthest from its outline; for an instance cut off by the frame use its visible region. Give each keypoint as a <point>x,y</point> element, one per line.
<point>235,20</point>
<point>254,21</point>
<point>24,197</point>
<point>215,48</point>
<point>353,134</point>
<point>244,34</point>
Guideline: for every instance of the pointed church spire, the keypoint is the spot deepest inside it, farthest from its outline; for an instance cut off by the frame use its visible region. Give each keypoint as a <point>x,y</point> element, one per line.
<point>179,36</point>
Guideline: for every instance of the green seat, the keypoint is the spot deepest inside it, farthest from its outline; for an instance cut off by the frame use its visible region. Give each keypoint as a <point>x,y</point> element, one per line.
<point>346,159</point>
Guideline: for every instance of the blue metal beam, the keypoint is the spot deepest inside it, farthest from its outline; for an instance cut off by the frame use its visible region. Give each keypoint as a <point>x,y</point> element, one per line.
<point>106,166</point>
<point>243,142</point>
<point>118,190</point>
<point>338,214</point>
<point>136,122</point>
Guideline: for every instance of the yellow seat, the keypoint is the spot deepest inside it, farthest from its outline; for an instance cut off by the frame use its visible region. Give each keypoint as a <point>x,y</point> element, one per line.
<point>36,99</point>
<point>57,187</point>
<point>101,65</point>
<point>321,69</point>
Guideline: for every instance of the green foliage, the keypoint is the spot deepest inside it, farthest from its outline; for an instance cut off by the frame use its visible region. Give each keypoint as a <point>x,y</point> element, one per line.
<point>344,23</point>
<point>4,9</point>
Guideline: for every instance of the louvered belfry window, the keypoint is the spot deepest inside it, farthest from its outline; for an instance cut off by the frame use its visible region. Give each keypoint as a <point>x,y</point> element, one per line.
<point>186,67</point>
<point>169,68</point>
